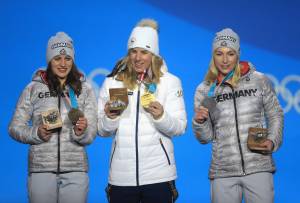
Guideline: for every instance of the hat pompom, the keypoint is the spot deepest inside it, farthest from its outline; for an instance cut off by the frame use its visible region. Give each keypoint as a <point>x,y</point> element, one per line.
<point>147,22</point>
<point>145,35</point>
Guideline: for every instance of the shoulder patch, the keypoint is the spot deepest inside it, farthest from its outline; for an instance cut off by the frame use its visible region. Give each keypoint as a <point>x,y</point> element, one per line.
<point>179,93</point>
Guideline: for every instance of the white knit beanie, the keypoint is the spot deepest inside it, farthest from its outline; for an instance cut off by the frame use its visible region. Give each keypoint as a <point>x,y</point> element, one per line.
<point>61,43</point>
<point>145,37</point>
<point>227,38</point>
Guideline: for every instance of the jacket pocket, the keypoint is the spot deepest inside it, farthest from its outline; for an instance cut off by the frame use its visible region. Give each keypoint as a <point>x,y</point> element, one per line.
<point>112,155</point>
<point>163,147</point>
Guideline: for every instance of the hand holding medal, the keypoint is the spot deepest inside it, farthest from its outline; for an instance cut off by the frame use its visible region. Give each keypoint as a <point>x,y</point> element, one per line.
<point>155,109</point>
<point>148,102</point>
<point>76,116</point>
<point>148,96</point>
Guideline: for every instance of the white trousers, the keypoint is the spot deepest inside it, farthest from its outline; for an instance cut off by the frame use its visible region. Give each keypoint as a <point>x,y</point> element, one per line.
<point>63,188</point>
<point>255,188</point>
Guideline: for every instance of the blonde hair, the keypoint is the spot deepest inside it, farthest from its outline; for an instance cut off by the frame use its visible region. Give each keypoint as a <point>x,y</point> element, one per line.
<point>126,73</point>
<point>129,76</point>
<point>213,72</point>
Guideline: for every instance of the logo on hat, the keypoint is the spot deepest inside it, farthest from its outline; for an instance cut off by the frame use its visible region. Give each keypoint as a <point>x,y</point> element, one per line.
<point>229,38</point>
<point>62,44</point>
<point>224,44</point>
<point>62,52</point>
<point>132,40</point>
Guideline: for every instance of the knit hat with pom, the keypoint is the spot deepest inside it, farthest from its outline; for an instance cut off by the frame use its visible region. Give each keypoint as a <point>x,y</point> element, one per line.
<point>145,35</point>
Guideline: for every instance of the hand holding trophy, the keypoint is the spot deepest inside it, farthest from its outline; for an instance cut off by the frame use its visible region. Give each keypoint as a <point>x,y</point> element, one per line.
<point>258,140</point>
<point>118,102</point>
<point>51,120</point>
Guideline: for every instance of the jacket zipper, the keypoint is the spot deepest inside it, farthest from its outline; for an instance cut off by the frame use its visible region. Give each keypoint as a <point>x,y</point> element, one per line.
<point>163,147</point>
<point>237,129</point>
<point>212,126</point>
<point>58,141</point>
<point>136,136</point>
<point>113,153</point>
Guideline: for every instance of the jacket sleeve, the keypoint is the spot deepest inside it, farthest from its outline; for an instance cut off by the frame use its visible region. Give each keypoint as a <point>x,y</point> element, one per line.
<point>106,126</point>
<point>173,121</point>
<point>19,127</point>
<point>203,131</point>
<point>90,112</point>
<point>273,113</point>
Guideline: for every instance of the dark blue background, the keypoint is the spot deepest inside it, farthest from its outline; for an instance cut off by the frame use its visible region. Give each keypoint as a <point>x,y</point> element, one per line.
<point>269,32</point>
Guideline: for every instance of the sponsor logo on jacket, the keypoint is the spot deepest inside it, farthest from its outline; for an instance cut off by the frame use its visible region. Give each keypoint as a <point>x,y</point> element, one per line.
<point>51,94</point>
<point>236,94</point>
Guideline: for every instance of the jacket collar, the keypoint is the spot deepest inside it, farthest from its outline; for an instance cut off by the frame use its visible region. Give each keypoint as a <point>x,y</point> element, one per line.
<point>244,68</point>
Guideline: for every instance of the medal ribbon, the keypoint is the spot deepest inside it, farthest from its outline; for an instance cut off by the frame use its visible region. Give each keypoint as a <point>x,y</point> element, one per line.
<point>74,103</point>
<point>211,92</point>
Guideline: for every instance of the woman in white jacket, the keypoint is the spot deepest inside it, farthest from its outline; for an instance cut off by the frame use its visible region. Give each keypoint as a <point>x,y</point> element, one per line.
<point>142,164</point>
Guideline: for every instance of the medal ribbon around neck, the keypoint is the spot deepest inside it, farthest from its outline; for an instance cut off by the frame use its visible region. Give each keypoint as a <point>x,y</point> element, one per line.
<point>73,100</point>
<point>211,92</point>
<point>151,87</point>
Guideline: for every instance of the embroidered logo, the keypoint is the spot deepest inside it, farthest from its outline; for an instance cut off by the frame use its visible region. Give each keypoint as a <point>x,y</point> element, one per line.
<point>229,38</point>
<point>132,40</point>
<point>224,44</point>
<point>62,44</point>
<point>62,51</point>
<point>179,93</point>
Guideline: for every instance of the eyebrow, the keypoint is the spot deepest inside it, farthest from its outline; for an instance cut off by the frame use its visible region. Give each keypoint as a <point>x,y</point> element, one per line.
<point>230,51</point>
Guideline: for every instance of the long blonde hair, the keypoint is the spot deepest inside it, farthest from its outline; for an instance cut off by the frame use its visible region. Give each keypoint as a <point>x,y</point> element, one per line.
<point>126,72</point>
<point>213,73</point>
<point>129,76</point>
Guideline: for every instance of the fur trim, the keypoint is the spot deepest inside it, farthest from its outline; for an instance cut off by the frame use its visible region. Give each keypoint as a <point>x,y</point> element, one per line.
<point>147,22</point>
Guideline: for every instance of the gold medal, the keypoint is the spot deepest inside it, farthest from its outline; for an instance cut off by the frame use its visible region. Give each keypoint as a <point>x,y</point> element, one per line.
<point>146,99</point>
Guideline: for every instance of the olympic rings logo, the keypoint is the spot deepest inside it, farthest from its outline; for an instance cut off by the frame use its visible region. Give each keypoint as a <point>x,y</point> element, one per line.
<point>291,100</point>
<point>91,78</point>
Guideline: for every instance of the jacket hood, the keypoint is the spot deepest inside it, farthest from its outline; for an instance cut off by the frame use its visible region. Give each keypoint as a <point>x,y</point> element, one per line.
<point>246,68</point>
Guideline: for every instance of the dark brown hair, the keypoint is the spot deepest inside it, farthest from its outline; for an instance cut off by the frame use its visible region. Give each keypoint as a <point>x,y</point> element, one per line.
<point>73,79</point>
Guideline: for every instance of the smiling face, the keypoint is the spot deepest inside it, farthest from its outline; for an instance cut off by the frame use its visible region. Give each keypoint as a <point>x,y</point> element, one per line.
<point>140,59</point>
<point>225,60</point>
<point>61,66</point>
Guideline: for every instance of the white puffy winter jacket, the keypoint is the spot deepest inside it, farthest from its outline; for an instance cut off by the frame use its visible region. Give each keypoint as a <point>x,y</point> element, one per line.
<point>142,150</point>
